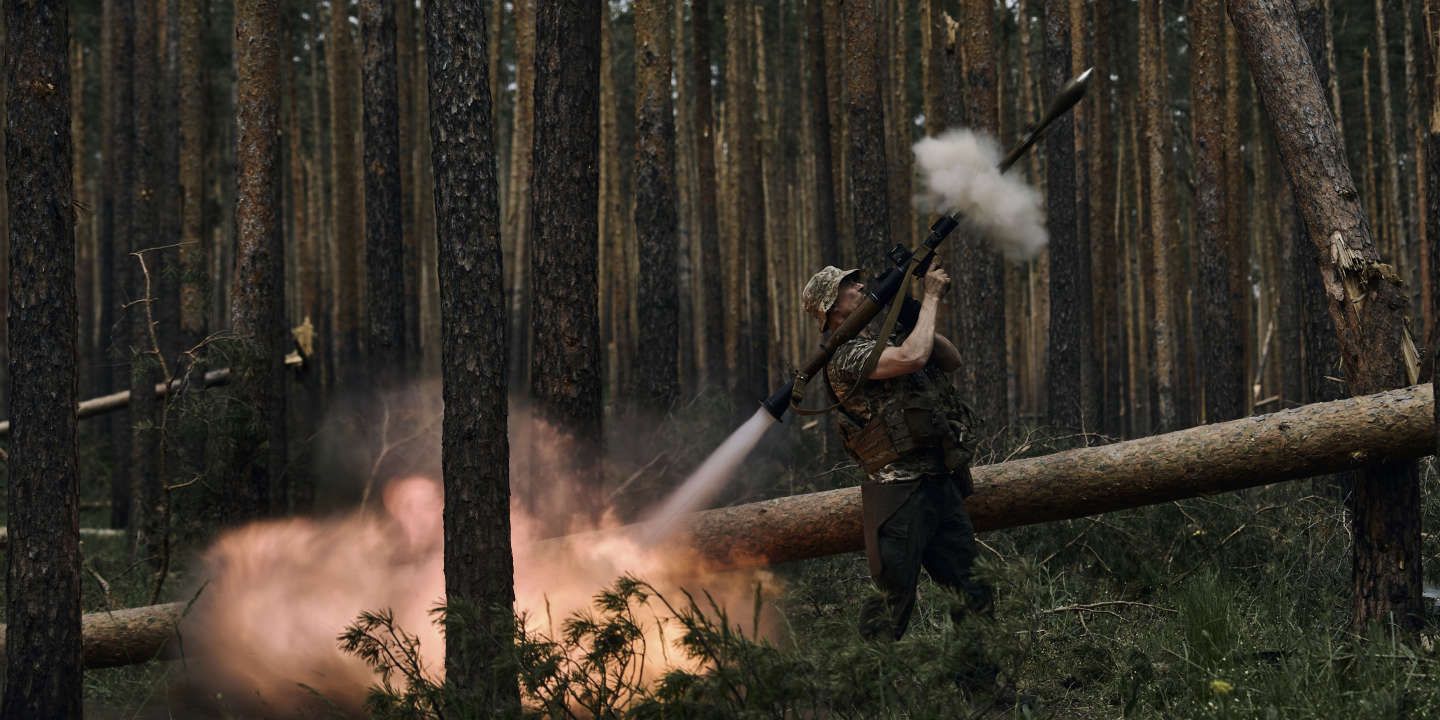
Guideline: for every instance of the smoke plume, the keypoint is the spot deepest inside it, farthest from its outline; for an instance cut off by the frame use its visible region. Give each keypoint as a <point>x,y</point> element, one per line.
<point>959,173</point>
<point>261,637</point>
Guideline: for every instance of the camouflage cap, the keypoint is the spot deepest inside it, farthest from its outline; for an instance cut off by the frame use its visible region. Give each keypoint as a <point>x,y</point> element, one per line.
<point>820,293</point>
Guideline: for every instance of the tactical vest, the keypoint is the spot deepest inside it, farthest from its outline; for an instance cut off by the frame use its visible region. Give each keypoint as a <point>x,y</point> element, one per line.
<point>908,414</point>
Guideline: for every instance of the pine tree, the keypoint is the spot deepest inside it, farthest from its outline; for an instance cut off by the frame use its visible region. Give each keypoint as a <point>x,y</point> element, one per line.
<point>42,590</point>
<point>475,451</point>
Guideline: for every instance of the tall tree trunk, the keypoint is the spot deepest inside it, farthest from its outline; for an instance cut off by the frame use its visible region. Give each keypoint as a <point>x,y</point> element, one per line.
<point>346,249</point>
<point>865,119</point>
<point>711,278</point>
<point>657,367</point>
<point>1222,346</point>
<point>894,89</point>
<point>1393,212</point>
<point>384,241</point>
<point>1104,230</point>
<point>517,203</point>
<point>257,421</point>
<point>980,273</point>
<point>565,370</point>
<point>1235,220</point>
<point>84,249</point>
<point>1366,302</point>
<point>146,360</point>
<point>1372,191</point>
<point>747,326</point>
<point>1153,84</point>
<point>42,589</point>
<point>1322,351</point>
<point>118,57</point>
<point>1069,291</point>
<point>479,579</point>
<point>194,261</point>
<point>1430,52</point>
<point>818,100</point>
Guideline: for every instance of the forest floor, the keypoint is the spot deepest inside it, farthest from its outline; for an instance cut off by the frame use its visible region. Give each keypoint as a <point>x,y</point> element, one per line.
<point>1231,606</point>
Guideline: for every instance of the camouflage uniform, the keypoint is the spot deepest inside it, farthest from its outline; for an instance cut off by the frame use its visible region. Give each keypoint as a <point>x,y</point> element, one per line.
<point>914,506</point>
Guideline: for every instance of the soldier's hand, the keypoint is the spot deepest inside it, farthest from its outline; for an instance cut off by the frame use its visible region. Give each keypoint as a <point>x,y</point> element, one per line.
<point>937,281</point>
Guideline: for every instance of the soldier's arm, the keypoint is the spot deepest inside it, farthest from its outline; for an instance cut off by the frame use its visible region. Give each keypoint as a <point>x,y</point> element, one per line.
<point>945,355</point>
<point>911,355</point>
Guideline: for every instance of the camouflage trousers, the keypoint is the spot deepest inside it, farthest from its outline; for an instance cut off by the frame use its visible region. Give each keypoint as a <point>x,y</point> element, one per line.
<point>930,529</point>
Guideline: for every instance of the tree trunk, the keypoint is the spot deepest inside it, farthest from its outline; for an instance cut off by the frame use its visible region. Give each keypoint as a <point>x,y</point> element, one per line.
<point>1393,212</point>
<point>1153,84</point>
<point>711,277</point>
<point>146,360</point>
<point>517,204</point>
<point>384,241</point>
<point>1322,352</point>
<point>346,198</point>
<point>1396,425</point>
<point>1222,347</point>
<point>479,582</point>
<point>865,118</point>
<point>123,637</point>
<point>42,589</point>
<point>818,99</point>
<point>565,371</point>
<point>1366,301</point>
<point>657,367</point>
<point>194,261</point>
<point>1104,230</point>
<point>1069,291</point>
<point>747,325</point>
<point>118,57</point>
<point>256,442</point>
<point>980,272</point>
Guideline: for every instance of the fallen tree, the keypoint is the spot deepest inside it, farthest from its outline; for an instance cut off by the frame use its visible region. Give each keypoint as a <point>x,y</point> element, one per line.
<point>1206,460</point>
<point>115,401</point>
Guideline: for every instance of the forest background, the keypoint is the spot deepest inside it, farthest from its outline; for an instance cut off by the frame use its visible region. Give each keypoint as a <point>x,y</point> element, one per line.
<point>770,157</point>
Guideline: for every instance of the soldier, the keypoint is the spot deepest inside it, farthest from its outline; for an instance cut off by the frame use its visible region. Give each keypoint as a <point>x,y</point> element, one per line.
<point>905,425</point>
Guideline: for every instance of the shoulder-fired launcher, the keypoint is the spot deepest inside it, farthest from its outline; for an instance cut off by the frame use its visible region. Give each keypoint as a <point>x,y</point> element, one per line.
<point>883,290</point>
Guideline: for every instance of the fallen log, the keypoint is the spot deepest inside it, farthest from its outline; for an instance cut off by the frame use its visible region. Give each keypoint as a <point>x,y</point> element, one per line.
<point>127,637</point>
<point>1207,460</point>
<point>115,401</point>
<point>85,534</point>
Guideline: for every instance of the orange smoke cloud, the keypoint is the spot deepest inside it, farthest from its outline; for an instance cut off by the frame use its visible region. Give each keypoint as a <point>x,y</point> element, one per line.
<point>262,635</point>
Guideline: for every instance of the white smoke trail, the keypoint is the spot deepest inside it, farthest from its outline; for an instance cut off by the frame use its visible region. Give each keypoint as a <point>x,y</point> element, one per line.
<point>959,173</point>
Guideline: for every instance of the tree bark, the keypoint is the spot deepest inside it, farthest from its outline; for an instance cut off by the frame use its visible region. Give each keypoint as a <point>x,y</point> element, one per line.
<point>1394,237</point>
<point>657,369</point>
<point>1153,84</point>
<point>474,449</point>
<point>819,116</point>
<point>980,272</point>
<point>384,240</point>
<point>1069,291</point>
<point>346,198</point>
<point>194,260</point>
<point>747,324</point>
<point>1366,301</point>
<point>1104,229</point>
<point>42,589</point>
<point>1395,425</point>
<point>146,358</point>
<point>1322,351</point>
<point>1222,348</point>
<point>711,277</point>
<point>517,204</point>
<point>865,125</point>
<point>565,369</point>
<point>117,86</point>
<point>257,439</point>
